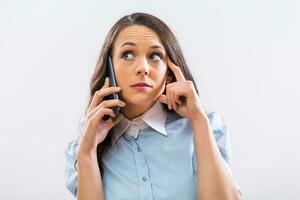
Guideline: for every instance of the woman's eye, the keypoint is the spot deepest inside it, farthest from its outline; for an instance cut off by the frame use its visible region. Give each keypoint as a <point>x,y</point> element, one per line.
<point>157,56</point>
<point>127,55</point>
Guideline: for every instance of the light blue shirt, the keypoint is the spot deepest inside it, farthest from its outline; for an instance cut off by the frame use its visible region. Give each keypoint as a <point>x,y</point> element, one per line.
<point>152,157</point>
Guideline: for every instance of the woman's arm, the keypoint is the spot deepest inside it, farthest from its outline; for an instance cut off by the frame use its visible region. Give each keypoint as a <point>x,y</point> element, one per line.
<point>214,180</point>
<point>95,131</point>
<point>89,178</point>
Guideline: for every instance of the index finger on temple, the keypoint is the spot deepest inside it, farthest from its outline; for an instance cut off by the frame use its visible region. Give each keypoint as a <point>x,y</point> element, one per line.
<point>176,70</point>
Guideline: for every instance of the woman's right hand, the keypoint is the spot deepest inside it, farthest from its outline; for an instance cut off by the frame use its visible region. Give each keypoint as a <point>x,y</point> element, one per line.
<point>95,129</point>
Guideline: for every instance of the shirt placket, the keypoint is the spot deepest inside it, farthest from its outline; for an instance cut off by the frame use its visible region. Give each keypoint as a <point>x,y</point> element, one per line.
<point>142,167</point>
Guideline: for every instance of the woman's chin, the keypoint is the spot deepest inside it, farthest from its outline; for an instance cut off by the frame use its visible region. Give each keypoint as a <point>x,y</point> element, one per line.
<point>139,100</point>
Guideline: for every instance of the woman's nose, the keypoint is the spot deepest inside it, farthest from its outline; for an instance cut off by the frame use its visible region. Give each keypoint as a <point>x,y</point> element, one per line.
<point>143,67</point>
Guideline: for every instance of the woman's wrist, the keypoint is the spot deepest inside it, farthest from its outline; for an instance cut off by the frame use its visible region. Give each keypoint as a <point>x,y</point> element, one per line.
<point>86,153</point>
<point>84,159</point>
<point>85,156</point>
<point>200,118</point>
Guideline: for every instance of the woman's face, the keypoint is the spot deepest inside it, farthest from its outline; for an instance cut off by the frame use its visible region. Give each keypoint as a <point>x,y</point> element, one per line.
<point>139,56</point>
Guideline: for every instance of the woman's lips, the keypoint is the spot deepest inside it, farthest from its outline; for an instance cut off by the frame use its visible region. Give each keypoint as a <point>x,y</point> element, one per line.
<point>140,87</point>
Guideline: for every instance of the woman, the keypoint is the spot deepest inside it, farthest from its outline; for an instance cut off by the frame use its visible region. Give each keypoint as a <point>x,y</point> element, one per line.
<point>163,145</point>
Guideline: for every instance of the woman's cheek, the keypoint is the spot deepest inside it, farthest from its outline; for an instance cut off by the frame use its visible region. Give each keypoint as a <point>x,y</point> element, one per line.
<point>162,86</point>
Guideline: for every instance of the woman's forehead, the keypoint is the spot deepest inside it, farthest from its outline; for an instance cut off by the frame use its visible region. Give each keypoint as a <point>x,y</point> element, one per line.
<point>136,35</point>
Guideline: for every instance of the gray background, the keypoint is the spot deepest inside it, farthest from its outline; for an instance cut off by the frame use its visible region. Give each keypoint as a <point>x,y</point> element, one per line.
<point>243,54</point>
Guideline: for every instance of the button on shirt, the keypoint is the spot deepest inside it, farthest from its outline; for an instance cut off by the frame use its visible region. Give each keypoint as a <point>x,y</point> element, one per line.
<point>151,157</point>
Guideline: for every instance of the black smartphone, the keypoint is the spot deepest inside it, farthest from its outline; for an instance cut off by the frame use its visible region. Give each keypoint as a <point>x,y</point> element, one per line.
<point>112,83</point>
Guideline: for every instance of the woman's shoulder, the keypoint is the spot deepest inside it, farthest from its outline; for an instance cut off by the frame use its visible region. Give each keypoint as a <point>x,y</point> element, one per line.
<point>215,118</point>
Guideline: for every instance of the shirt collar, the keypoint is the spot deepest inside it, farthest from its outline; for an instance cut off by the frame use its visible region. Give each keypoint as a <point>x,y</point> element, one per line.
<point>155,117</point>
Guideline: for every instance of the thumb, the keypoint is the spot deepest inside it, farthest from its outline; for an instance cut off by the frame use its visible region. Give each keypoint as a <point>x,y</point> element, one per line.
<point>162,99</point>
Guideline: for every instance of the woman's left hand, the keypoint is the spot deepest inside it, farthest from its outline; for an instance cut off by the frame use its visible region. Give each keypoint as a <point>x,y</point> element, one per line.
<point>182,96</point>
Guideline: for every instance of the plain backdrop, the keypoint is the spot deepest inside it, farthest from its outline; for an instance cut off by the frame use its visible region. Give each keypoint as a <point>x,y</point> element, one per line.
<point>244,56</point>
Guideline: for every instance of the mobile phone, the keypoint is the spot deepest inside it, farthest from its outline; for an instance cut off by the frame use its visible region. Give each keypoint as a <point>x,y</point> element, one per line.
<point>112,83</point>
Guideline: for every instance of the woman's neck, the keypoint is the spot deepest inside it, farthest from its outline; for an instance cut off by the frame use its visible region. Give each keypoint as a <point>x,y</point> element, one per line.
<point>132,111</point>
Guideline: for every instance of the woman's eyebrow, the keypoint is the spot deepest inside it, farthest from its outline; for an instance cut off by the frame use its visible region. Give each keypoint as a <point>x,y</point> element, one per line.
<point>133,44</point>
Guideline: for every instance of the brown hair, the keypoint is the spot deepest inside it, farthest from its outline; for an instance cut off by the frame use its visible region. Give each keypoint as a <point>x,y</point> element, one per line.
<point>170,43</point>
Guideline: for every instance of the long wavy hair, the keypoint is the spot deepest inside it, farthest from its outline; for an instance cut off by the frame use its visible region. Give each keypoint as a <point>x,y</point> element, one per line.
<point>170,43</point>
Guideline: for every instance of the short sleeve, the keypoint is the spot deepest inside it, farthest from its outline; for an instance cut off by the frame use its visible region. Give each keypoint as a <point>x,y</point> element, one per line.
<point>222,137</point>
<point>70,171</point>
